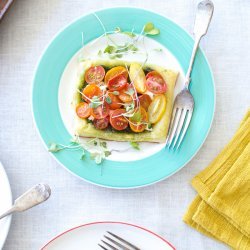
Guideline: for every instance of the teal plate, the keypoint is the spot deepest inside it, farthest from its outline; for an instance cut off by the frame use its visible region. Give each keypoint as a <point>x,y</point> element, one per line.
<point>121,174</point>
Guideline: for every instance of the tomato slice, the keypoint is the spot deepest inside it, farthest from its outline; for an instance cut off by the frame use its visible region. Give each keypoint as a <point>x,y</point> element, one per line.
<point>137,75</point>
<point>117,120</point>
<point>157,108</point>
<point>94,74</point>
<point>145,101</point>
<point>101,123</point>
<point>118,70</point>
<point>155,83</point>
<point>137,122</point>
<point>100,112</point>
<point>90,91</point>
<point>117,82</point>
<point>83,110</point>
<point>115,101</point>
<point>124,96</point>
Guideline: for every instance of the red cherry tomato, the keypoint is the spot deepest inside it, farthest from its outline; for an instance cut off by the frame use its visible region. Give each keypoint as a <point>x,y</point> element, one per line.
<point>155,83</point>
<point>114,101</point>
<point>125,96</point>
<point>145,101</point>
<point>117,120</point>
<point>94,74</point>
<point>101,111</point>
<point>90,91</point>
<point>118,82</point>
<point>83,110</point>
<point>101,123</point>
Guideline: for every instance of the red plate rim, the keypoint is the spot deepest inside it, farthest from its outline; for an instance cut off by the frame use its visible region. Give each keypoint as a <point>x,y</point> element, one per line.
<point>108,222</point>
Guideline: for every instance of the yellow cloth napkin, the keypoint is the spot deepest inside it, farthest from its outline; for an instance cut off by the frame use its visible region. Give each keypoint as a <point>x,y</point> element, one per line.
<point>222,207</point>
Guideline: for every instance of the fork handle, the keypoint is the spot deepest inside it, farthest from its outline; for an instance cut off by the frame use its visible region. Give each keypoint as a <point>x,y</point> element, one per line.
<point>191,63</point>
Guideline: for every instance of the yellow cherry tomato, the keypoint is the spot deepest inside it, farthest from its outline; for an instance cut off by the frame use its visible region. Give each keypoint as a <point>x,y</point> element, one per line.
<point>157,108</point>
<point>138,78</point>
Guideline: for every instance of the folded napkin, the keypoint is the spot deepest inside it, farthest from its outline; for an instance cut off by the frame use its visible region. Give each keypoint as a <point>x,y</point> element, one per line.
<point>221,209</point>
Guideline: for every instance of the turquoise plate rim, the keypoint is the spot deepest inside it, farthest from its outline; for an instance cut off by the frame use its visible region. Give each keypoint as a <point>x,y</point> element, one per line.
<point>126,186</point>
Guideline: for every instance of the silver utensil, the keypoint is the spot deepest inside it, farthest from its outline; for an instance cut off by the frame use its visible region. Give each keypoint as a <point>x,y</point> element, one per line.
<point>184,101</point>
<point>115,242</point>
<point>34,196</point>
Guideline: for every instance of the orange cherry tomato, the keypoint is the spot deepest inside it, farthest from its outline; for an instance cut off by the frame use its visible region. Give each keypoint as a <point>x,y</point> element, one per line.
<point>94,74</point>
<point>145,101</point>
<point>101,123</point>
<point>155,83</point>
<point>83,110</point>
<point>137,122</point>
<point>118,70</point>
<point>90,91</point>
<point>115,101</point>
<point>117,120</point>
<point>100,112</point>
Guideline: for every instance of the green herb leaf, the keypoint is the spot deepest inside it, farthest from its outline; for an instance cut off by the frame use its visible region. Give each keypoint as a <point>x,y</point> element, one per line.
<point>118,55</point>
<point>94,104</point>
<point>148,27</point>
<point>83,155</point>
<point>99,53</point>
<point>136,117</point>
<point>135,145</point>
<point>103,144</point>
<point>118,30</point>
<point>129,33</point>
<point>129,92</point>
<point>110,49</point>
<point>107,153</point>
<point>158,49</point>
<point>115,93</point>
<point>108,100</point>
<point>153,32</point>
<point>132,47</point>
<point>54,147</point>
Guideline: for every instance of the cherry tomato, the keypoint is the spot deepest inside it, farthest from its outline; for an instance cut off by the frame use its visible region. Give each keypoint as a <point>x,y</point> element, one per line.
<point>157,108</point>
<point>114,101</point>
<point>101,123</point>
<point>137,122</point>
<point>94,74</point>
<point>124,96</point>
<point>118,70</point>
<point>145,101</point>
<point>83,110</point>
<point>155,83</point>
<point>117,82</point>
<point>90,91</point>
<point>101,111</point>
<point>117,120</point>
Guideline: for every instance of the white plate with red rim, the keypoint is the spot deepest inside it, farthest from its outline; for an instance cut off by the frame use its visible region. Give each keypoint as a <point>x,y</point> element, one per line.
<point>88,236</point>
<point>6,202</point>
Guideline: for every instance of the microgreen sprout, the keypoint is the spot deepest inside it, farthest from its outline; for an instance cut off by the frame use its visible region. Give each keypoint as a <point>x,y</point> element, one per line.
<point>96,148</point>
<point>135,145</point>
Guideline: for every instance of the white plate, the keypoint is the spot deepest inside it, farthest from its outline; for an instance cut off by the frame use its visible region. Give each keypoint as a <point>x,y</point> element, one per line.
<point>5,203</point>
<point>86,237</point>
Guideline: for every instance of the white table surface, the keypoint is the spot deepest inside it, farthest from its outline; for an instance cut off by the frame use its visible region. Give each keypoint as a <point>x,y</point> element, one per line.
<point>24,32</point>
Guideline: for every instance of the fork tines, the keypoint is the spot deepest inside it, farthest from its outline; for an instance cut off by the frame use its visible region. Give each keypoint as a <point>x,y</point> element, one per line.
<point>115,242</point>
<point>181,117</point>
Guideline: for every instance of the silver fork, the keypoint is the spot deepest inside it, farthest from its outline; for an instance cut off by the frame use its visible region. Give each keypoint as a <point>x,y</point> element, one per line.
<point>184,101</point>
<point>115,242</point>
